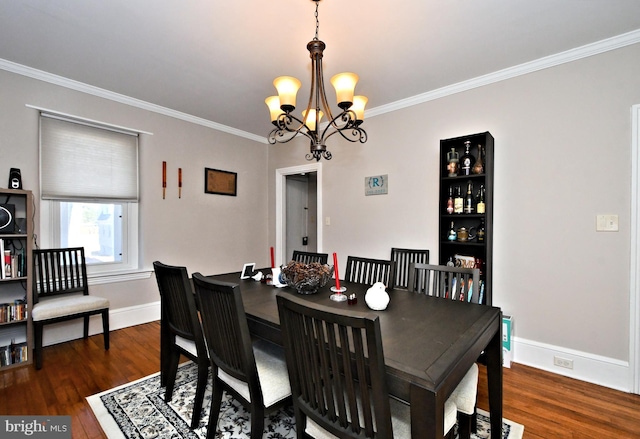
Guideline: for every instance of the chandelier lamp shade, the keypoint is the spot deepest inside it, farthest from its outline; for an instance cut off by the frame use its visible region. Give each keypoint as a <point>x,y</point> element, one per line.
<point>347,123</point>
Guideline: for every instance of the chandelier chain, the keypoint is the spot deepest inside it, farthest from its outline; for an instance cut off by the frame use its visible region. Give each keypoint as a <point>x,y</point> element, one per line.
<point>317,21</point>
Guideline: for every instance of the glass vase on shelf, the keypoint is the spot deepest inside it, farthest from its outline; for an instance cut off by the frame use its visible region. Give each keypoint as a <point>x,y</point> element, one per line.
<point>478,166</point>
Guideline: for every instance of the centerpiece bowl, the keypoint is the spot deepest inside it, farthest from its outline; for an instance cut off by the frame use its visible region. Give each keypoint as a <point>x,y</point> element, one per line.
<point>306,278</point>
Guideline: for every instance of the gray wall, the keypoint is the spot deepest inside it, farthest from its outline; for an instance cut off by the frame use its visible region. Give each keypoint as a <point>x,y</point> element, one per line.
<point>562,156</point>
<point>204,232</point>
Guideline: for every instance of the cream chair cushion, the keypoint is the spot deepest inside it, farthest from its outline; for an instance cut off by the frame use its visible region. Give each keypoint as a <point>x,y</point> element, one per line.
<point>54,307</point>
<point>272,373</point>
<point>464,396</point>
<point>400,421</point>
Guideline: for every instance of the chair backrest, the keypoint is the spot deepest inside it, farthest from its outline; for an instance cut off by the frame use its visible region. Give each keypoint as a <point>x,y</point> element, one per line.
<point>454,283</point>
<point>179,303</point>
<point>403,257</point>
<point>336,367</point>
<point>59,271</point>
<point>309,257</point>
<point>226,331</point>
<point>369,271</point>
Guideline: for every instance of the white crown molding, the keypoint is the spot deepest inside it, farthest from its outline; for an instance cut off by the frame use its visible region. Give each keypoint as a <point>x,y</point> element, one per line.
<point>608,44</point>
<point>613,43</point>
<point>106,94</point>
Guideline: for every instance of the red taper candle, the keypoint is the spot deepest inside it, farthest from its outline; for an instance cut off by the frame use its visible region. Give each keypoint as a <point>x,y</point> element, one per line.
<point>273,259</point>
<point>335,271</point>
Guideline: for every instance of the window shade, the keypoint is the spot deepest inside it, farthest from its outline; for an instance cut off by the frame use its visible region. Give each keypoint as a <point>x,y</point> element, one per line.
<point>83,161</point>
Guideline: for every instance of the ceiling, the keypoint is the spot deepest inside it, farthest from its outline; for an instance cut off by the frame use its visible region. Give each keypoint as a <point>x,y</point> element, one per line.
<point>216,60</point>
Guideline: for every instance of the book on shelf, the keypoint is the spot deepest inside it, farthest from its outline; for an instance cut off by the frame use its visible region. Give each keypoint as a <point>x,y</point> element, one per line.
<point>14,353</point>
<point>13,312</point>
<point>12,264</point>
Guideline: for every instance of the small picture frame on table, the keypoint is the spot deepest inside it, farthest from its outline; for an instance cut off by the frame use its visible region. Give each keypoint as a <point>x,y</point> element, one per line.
<point>247,270</point>
<point>220,182</point>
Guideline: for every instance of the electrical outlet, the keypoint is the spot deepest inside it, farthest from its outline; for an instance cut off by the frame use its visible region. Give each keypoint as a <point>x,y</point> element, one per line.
<point>563,362</point>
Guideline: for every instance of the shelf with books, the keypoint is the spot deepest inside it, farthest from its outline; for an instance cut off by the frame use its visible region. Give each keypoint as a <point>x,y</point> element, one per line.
<point>16,245</point>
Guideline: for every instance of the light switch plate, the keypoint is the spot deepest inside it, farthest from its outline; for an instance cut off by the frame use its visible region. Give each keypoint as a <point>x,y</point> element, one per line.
<point>607,223</point>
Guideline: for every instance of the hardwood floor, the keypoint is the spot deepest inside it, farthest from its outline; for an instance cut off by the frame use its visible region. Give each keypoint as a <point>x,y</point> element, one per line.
<point>548,405</point>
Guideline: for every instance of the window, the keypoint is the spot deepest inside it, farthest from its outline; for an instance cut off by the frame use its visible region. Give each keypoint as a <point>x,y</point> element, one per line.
<point>89,191</point>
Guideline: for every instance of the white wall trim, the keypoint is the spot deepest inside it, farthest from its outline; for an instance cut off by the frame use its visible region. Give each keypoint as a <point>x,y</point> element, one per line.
<point>118,319</point>
<point>608,44</point>
<point>591,368</point>
<point>281,197</point>
<point>634,268</point>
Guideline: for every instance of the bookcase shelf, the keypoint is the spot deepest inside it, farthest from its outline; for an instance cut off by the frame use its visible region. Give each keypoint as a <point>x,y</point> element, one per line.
<point>16,329</point>
<point>480,251</point>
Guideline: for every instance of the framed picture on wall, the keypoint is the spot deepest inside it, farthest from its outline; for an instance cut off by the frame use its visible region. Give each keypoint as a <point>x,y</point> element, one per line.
<point>220,182</point>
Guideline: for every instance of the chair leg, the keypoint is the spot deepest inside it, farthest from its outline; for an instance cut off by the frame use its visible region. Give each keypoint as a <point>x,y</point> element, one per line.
<point>216,401</point>
<point>257,420</point>
<point>171,374</point>
<point>203,375</point>
<point>85,332</point>
<point>105,328</point>
<point>37,329</point>
<point>464,425</point>
<point>474,421</point>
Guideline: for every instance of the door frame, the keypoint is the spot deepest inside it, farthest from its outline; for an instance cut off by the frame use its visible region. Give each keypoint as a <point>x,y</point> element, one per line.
<point>281,205</point>
<point>634,281</point>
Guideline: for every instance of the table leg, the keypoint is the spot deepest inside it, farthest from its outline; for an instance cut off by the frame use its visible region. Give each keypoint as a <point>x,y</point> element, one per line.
<point>427,415</point>
<point>494,378</point>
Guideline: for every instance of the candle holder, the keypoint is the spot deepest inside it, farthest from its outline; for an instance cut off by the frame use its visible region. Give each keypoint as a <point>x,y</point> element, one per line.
<point>338,296</point>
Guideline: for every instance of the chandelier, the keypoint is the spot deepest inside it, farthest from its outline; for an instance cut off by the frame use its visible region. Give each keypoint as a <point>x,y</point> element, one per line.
<point>347,123</point>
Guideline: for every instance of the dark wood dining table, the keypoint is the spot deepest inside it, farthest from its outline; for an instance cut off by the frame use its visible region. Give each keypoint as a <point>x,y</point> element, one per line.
<point>429,344</point>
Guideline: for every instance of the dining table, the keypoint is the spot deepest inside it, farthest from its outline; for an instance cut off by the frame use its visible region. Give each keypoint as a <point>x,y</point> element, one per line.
<point>429,343</point>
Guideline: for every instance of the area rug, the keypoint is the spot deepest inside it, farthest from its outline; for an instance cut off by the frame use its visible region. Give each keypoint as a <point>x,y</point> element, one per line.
<point>138,410</point>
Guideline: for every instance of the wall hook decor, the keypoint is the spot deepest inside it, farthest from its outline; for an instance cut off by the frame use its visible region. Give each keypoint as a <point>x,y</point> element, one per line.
<point>164,179</point>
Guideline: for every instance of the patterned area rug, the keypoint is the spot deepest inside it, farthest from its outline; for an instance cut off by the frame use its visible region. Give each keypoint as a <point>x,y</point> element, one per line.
<point>138,410</point>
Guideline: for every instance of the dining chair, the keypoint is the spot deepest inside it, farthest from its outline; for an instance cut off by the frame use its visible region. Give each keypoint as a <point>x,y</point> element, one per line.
<point>337,374</point>
<point>255,373</point>
<point>455,283</point>
<point>309,257</point>
<point>182,332</point>
<point>369,271</point>
<point>403,257</point>
<point>452,283</point>
<point>61,293</point>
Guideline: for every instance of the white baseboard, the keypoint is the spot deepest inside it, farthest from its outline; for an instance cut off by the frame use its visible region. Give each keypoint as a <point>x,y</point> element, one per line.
<point>118,319</point>
<point>588,367</point>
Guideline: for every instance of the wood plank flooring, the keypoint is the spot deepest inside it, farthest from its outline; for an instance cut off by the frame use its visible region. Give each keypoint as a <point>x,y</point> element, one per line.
<point>550,406</point>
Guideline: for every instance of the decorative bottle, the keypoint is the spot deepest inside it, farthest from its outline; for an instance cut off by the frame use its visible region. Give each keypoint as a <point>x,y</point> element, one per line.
<point>478,166</point>
<point>452,162</point>
<point>480,208</point>
<point>458,201</point>
<point>450,201</point>
<point>468,199</point>
<point>481,231</point>
<point>467,160</point>
<point>452,235</point>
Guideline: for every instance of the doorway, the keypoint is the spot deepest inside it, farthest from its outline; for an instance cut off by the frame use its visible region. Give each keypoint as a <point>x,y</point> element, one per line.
<point>301,213</point>
<point>297,188</point>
